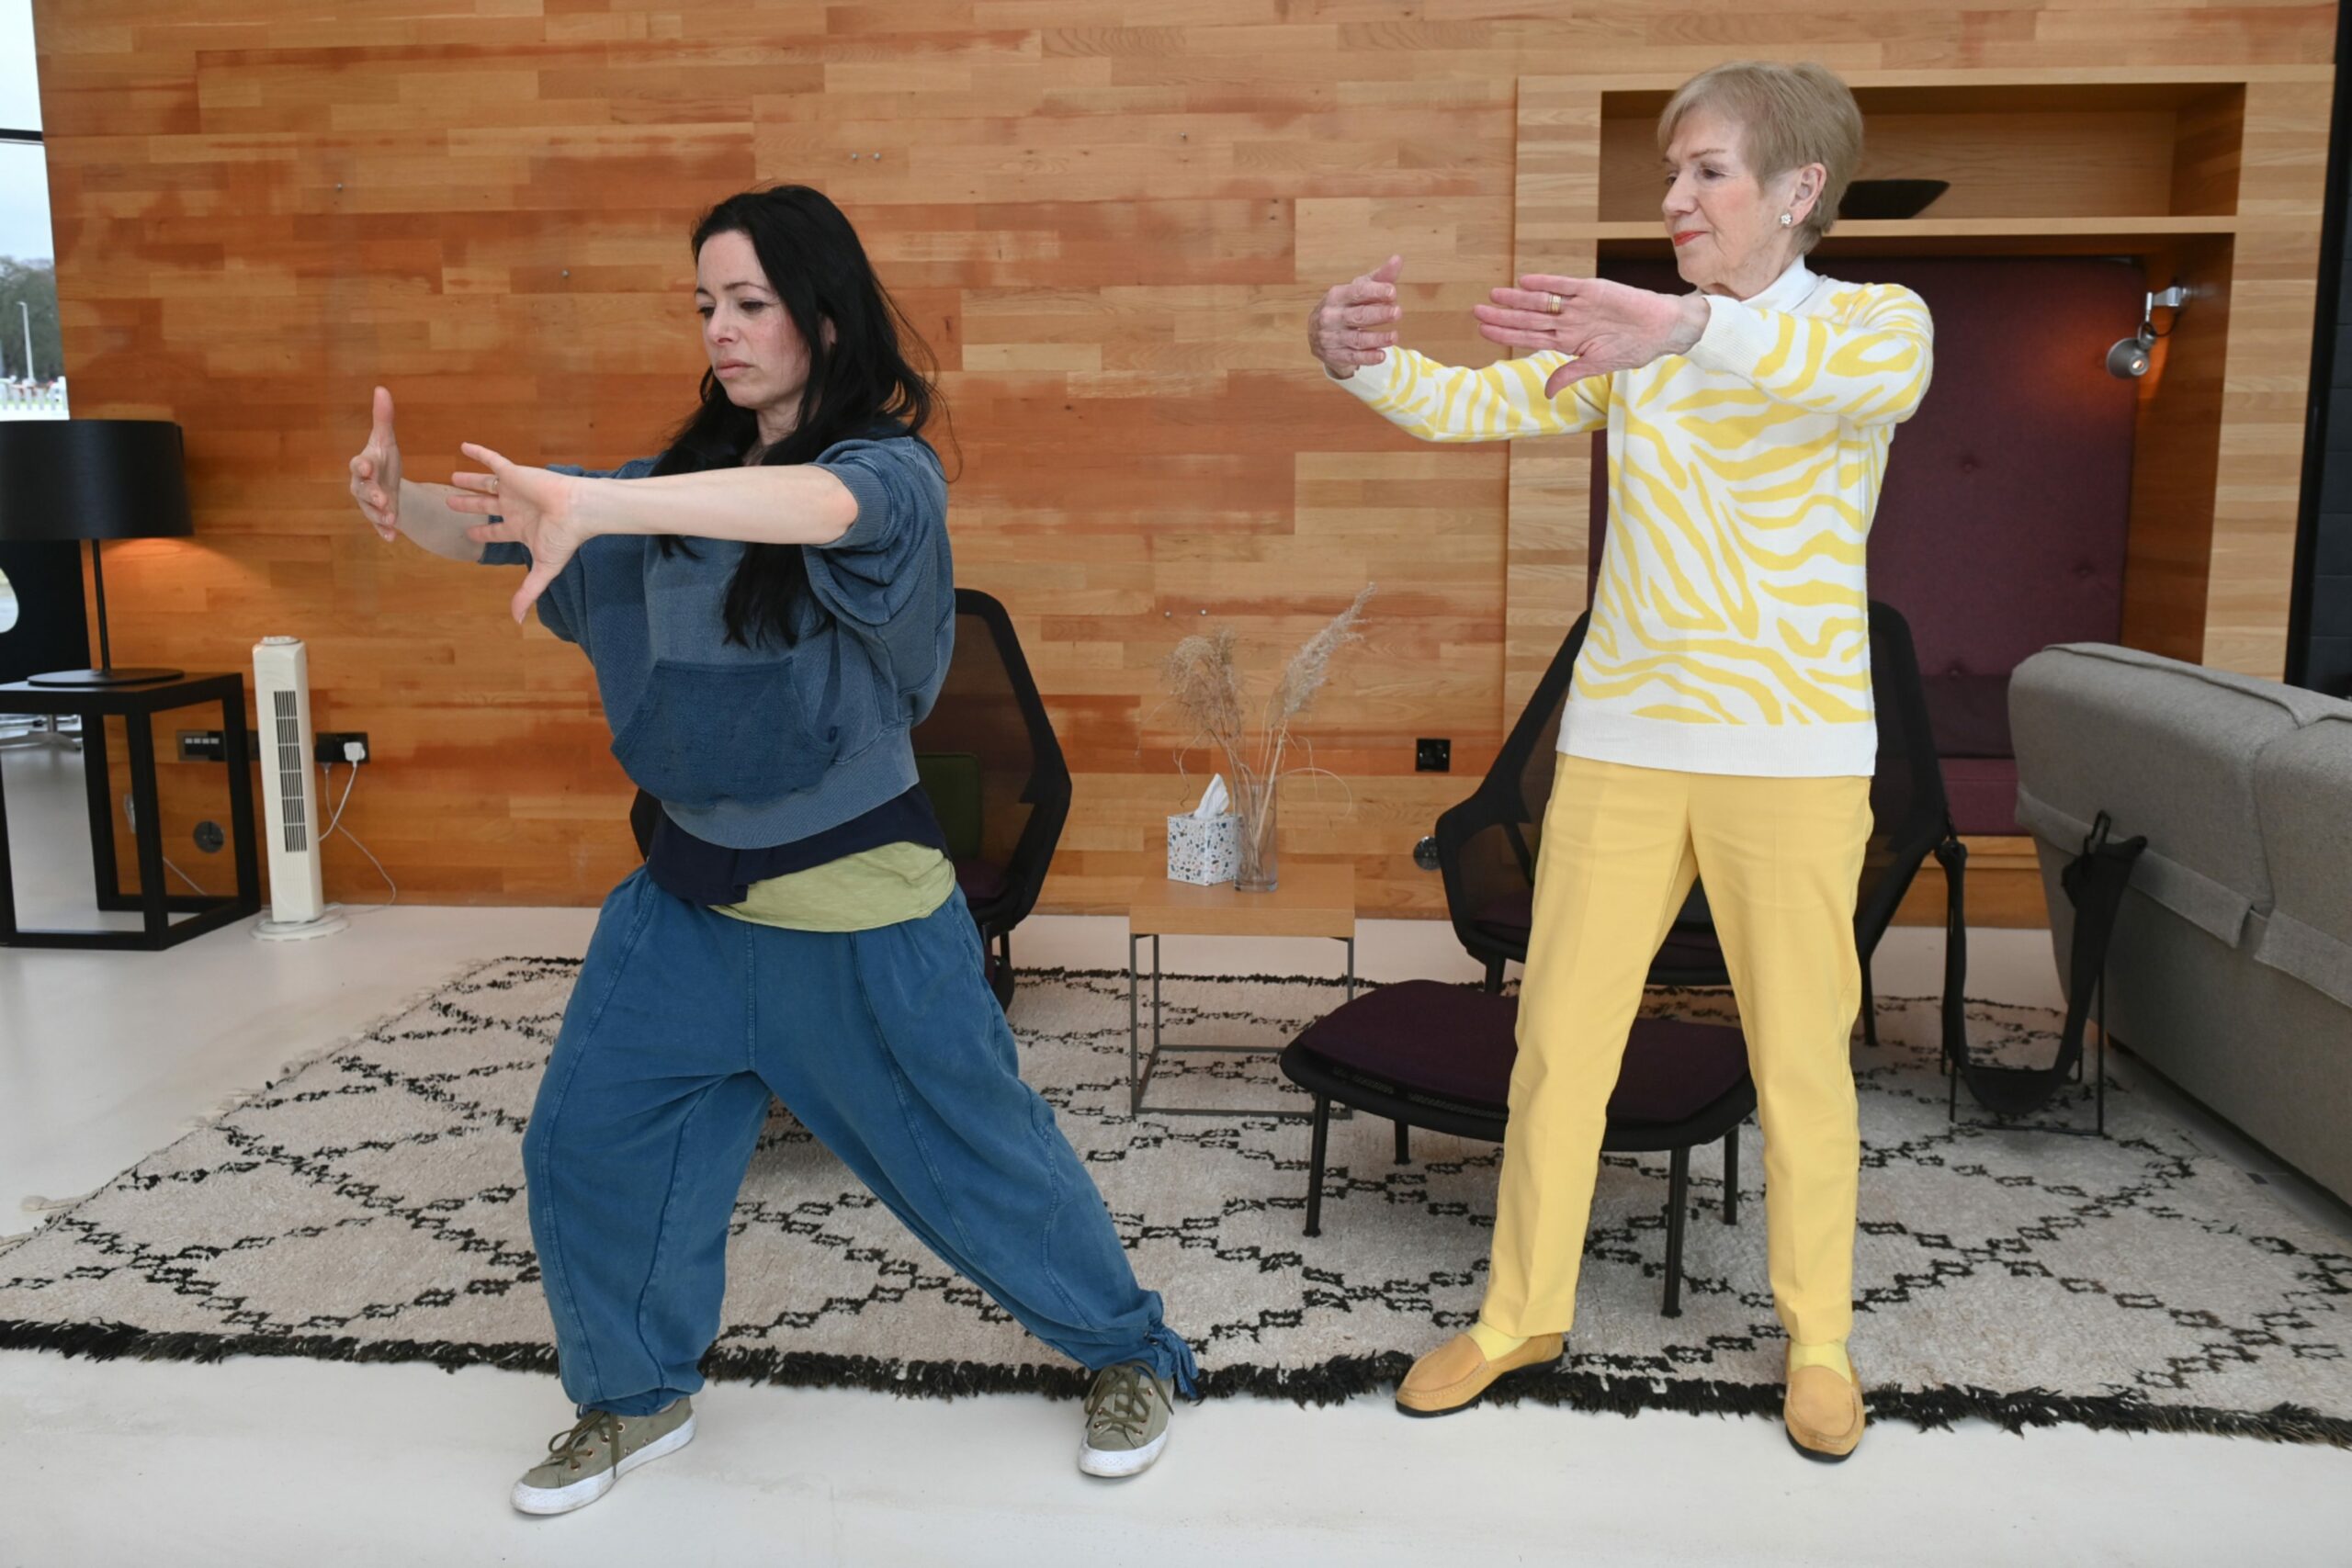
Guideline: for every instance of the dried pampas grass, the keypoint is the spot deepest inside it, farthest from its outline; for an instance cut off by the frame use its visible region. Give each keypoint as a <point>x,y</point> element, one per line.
<point>1206,682</point>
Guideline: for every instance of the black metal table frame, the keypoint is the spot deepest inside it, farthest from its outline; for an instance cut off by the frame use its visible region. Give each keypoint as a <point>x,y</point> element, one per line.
<point>138,705</point>
<point>1140,1066</point>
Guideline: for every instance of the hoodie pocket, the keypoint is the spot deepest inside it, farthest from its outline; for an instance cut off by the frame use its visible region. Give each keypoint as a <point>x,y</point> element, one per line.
<point>704,733</point>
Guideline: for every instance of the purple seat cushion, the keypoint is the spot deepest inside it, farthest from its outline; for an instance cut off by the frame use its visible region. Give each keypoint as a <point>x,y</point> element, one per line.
<point>1423,1035</point>
<point>982,881</point>
<point>1674,1069</point>
<point>1459,1044</point>
<point>1984,795</point>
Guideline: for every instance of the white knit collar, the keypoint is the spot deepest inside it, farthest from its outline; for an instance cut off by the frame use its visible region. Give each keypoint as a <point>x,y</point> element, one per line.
<point>1788,289</point>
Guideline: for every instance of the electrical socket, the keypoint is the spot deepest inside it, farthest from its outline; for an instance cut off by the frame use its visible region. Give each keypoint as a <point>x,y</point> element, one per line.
<point>203,746</point>
<point>1432,756</point>
<point>327,745</point>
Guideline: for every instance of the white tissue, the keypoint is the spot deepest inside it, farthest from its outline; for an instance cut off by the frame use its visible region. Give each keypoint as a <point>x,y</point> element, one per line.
<point>1214,799</point>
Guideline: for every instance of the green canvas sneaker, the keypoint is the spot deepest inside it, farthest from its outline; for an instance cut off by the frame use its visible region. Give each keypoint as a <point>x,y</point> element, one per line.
<point>583,1463</point>
<point>1127,1421</point>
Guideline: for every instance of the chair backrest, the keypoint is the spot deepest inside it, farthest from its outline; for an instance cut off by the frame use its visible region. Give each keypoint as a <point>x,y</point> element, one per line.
<point>1488,844</point>
<point>988,757</point>
<point>988,753</point>
<point>1910,815</point>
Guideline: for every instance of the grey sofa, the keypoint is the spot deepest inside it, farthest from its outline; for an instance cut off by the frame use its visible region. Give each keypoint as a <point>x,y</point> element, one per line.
<point>2231,970</point>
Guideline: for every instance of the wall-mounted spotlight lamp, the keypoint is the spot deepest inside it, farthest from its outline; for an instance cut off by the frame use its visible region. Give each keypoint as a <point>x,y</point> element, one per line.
<point>2129,358</point>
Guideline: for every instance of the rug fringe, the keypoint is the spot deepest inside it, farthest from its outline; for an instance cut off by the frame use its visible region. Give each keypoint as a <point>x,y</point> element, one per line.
<point>1331,1382</point>
<point>34,1203</point>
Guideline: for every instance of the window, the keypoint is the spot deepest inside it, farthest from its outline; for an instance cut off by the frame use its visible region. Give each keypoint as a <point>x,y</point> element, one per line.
<point>32,360</point>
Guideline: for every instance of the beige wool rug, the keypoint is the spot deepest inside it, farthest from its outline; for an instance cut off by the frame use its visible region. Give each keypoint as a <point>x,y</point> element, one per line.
<point>368,1207</point>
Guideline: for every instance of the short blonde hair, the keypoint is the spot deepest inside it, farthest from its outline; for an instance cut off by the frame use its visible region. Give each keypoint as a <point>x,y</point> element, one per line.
<point>1790,115</point>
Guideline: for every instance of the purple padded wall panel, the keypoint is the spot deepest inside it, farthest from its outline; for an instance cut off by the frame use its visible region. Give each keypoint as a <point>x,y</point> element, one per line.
<point>2001,528</point>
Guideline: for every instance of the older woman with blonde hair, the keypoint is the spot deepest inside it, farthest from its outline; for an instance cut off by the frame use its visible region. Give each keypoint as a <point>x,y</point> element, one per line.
<point>1718,725</point>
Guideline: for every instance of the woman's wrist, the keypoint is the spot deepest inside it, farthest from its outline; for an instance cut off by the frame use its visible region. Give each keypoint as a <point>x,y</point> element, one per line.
<point>589,508</point>
<point>1691,317</point>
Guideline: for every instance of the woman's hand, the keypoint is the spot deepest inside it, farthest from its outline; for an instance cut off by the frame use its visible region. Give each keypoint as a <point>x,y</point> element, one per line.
<point>376,473</point>
<point>537,509</point>
<point>1356,320</point>
<point>1602,326</point>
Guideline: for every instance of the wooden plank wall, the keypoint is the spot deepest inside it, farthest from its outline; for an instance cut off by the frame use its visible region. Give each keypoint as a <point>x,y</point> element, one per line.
<point>1109,218</point>
<point>2269,280</point>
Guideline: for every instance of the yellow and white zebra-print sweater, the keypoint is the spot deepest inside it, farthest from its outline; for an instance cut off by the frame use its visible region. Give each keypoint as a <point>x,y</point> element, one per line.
<point>1730,630</point>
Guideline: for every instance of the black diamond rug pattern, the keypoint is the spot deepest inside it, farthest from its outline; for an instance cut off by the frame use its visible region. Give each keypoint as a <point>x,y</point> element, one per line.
<point>368,1207</point>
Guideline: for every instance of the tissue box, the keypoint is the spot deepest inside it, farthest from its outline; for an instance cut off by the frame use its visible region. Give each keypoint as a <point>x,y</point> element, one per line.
<point>1204,850</point>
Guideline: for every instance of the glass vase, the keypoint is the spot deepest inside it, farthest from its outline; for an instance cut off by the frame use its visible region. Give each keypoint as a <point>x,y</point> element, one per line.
<point>1259,868</point>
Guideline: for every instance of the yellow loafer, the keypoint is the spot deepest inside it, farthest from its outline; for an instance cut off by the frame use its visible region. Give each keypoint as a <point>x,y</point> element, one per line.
<point>1823,1414</point>
<point>1457,1373</point>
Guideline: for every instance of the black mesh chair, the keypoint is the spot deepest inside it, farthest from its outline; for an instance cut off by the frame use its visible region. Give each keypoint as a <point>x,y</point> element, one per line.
<point>987,758</point>
<point>995,774</point>
<point>1910,819</point>
<point>1426,1055</point>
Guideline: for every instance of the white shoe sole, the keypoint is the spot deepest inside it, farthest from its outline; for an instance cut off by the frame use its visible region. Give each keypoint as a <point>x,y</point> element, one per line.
<point>1115,1462</point>
<point>580,1493</point>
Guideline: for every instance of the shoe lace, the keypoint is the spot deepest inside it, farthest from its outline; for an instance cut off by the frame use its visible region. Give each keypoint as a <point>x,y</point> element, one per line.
<point>1120,1401</point>
<point>579,1443</point>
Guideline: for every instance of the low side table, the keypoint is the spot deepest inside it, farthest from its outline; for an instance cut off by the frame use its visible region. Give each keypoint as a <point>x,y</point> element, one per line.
<point>1312,900</point>
<point>138,705</point>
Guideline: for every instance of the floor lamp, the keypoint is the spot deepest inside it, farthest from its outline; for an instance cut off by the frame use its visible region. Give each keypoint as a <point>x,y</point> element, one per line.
<point>94,480</point>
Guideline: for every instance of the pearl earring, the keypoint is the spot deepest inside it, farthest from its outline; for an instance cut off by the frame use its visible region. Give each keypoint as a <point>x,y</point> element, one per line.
<point>1784,219</point>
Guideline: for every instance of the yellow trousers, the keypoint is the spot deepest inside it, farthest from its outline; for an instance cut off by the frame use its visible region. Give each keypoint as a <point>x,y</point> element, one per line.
<point>1781,860</point>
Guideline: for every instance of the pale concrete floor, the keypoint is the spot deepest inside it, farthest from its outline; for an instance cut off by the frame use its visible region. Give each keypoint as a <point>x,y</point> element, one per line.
<point>104,1057</point>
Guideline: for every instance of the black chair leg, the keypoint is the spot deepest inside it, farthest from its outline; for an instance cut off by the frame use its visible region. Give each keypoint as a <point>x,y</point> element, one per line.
<point>1731,1176</point>
<point>1494,977</point>
<point>998,947</point>
<point>1315,1166</point>
<point>1678,1184</point>
<point>1404,1144</point>
<point>1870,1009</point>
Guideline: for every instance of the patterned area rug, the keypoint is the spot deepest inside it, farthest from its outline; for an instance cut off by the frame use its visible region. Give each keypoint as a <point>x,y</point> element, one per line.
<point>368,1208</point>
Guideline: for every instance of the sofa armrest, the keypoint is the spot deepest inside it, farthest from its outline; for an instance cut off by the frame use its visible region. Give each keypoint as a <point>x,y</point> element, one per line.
<point>2168,751</point>
<point>2218,911</point>
<point>2302,791</point>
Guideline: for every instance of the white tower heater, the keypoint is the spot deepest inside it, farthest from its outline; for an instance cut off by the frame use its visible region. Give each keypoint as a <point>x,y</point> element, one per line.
<point>298,906</point>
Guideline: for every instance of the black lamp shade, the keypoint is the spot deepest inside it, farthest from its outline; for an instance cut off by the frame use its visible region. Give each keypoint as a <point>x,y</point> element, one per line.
<point>92,478</point>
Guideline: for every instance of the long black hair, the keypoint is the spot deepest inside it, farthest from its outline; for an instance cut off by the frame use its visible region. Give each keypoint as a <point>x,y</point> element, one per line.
<point>860,378</point>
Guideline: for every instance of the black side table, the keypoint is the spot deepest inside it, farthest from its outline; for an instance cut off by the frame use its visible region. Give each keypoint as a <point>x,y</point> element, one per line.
<point>138,705</point>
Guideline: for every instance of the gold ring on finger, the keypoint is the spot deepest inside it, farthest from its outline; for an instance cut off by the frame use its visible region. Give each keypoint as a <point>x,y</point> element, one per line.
<point>1553,304</point>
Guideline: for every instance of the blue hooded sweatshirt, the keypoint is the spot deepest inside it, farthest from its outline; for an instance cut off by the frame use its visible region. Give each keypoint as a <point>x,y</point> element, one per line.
<point>752,747</point>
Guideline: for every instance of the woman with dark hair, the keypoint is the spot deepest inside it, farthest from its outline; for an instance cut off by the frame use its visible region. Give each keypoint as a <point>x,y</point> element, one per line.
<point>769,606</point>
